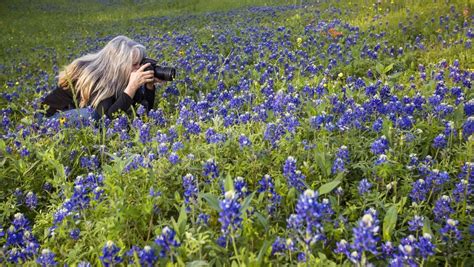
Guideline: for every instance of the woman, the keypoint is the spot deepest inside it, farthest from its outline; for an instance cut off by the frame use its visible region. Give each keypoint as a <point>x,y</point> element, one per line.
<point>105,82</point>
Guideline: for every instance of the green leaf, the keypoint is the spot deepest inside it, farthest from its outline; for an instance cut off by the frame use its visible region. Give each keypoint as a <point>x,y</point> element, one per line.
<point>212,201</point>
<point>388,68</point>
<point>182,220</point>
<point>197,263</point>
<point>379,68</point>
<point>246,202</point>
<point>229,183</point>
<point>328,187</point>
<point>389,222</point>
<point>427,226</point>
<point>262,251</point>
<point>262,220</point>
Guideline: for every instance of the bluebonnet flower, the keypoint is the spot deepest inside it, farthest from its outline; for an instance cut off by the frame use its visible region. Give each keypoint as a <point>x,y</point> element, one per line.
<point>212,137</point>
<point>425,246</point>
<point>210,169</point>
<point>141,110</point>
<point>307,223</point>
<point>46,258</point>
<point>177,146</point>
<point>146,256</point>
<point>230,215</point>
<point>450,231</point>
<point>382,158</point>
<point>31,200</point>
<point>74,233</point>
<point>278,246</point>
<point>364,186</point>
<point>244,141</point>
<point>24,152</point>
<point>379,146</point>
<point>366,234</point>
<point>190,189</point>
<point>387,249</point>
<point>162,149</point>
<point>338,166</point>
<point>419,190</point>
<point>416,223</point>
<point>166,241</point>
<point>174,158</point>
<point>203,219</point>
<point>20,243</point>
<point>442,209</point>
<point>144,134</point>
<point>110,255</point>
<point>468,127</point>
<point>377,125</point>
<point>440,141</point>
<point>241,188</point>
<point>267,185</point>
<point>462,189</point>
<point>84,264</point>
<point>294,177</point>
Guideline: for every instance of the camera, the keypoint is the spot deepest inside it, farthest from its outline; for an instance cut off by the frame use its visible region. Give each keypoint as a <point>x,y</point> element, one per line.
<point>162,73</point>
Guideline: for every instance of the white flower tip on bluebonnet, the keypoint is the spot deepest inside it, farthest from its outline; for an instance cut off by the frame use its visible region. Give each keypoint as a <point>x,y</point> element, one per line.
<point>45,251</point>
<point>343,242</point>
<point>427,236</point>
<point>408,249</point>
<point>166,230</point>
<point>147,248</point>
<point>446,198</point>
<point>343,147</point>
<point>19,216</point>
<point>109,244</point>
<point>411,238</point>
<point>367,219</point>
<point>229,194</point>
<point>309,193</point>
<point>354,254</point>
<point>451,222</point>
<point>291,158</point>
<point>239,178</point>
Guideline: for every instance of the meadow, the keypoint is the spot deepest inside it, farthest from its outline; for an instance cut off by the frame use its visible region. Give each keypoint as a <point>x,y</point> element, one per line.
<point>310,133</point>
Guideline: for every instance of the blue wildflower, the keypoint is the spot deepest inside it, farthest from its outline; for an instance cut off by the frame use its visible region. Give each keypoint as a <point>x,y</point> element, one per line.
<point>46,258</point>
<point>364,186</point>
<point>230,216</point>
<point>110,255</point>
<point>166,241</point>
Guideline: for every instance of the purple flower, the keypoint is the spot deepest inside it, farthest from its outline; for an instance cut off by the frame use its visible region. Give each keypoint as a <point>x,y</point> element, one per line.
<point>244,141</point>
<point>416,223</point>
<point>364,186</point>
<point>46,258</point>
<point>267,185</point>
<point>294,177</point>
<point>166,241</point>
<point>468,127</point>
<point>307,223</point>
<point>210,169</point>
<point>230,215</point>
<point>379,146</point>
<point>190,189</point>
<point>31,200</point>
<point>450,231</point>
<point>174,158</point>
<point>442,209</point>
<point>440,141</point>
<point>110,255</point>
<point>74,234</point>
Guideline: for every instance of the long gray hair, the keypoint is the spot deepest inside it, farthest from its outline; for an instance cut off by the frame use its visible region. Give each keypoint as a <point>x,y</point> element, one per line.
<point>97,76</point>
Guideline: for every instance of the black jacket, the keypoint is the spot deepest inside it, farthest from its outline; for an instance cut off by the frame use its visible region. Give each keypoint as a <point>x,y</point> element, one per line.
<point>62,99</point>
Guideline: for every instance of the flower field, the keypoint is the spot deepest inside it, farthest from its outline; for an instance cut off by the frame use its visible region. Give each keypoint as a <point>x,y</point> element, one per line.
<point>321,133</point>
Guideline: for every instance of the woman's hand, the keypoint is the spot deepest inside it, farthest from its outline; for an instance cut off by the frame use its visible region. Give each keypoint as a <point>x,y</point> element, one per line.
<point>139,78</point>
<point>151,85</point>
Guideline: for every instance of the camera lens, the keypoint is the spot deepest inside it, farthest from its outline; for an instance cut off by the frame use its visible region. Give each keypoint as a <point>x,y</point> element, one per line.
<point>165,73</point>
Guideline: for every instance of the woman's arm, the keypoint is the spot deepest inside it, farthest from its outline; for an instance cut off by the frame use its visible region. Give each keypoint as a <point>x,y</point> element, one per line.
<point>111,105</point>
<point>58,99</point>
